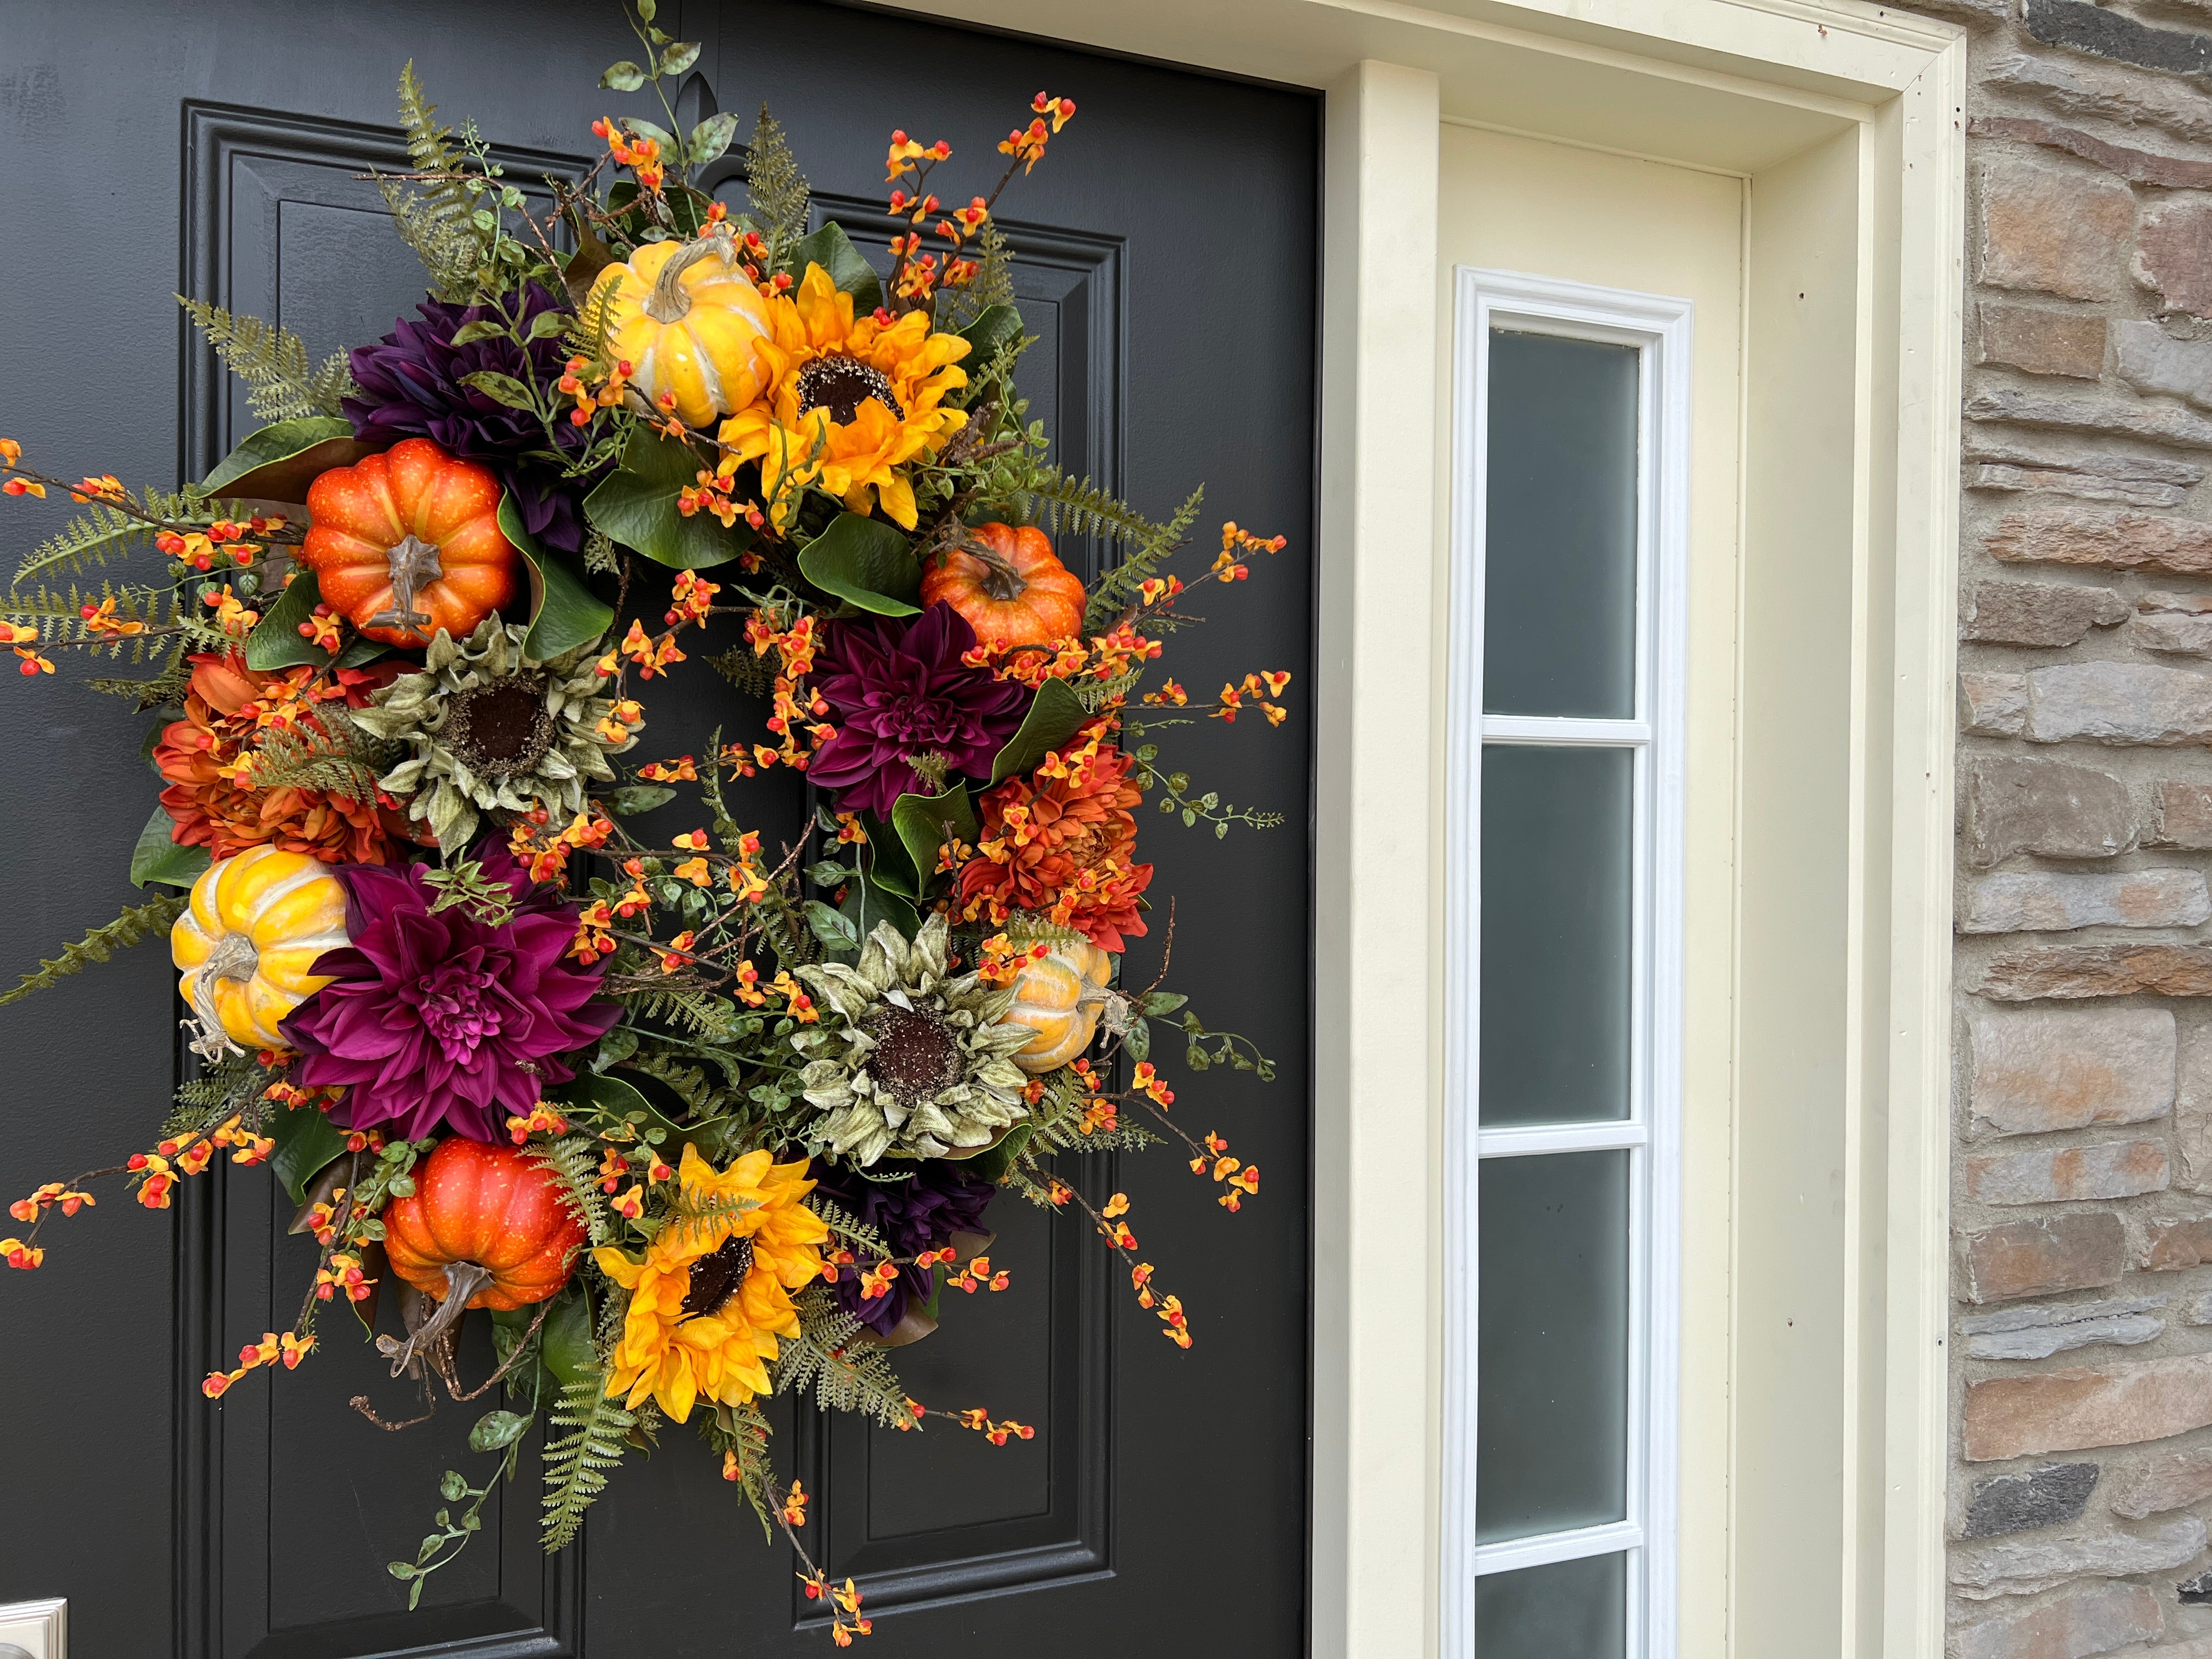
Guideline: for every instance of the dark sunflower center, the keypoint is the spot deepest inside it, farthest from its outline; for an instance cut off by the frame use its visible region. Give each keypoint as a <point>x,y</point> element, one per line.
<point>715,1277</point>
<point>916,1055</point>
<point>502,726</point>
<point>842,384</point>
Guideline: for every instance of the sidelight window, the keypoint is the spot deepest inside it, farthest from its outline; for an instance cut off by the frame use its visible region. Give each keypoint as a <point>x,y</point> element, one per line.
<point>1564,948</point>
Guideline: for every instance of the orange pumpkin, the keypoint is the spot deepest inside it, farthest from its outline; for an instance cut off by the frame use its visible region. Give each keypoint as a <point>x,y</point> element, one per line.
<point>1010,586</point>
<point>406,542</point>
<point>483,1220</point>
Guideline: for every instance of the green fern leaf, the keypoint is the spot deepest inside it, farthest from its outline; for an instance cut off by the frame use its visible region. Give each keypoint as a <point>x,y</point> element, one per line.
<point>577,1463</point>
<point>777,187</point>
<point>139,923</point>
<point>281,385</point>
<point>572,1162</point>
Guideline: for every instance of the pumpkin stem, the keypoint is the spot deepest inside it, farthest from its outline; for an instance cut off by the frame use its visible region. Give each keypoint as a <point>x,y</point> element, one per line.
<point>413,565</point>
<point>1001,580</point>
<point>233,958</point>
<point>669,302</point>
<point>463,1280</point>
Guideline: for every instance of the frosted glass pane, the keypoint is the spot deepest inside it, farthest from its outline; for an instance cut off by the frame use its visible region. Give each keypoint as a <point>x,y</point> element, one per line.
<point>1569,1610</point>
<point>1551,1368</point>
<point>1557,903</point>
<point>1559,601</point>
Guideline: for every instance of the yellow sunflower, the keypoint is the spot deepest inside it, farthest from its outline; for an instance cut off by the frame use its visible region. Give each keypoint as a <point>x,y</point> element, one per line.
<point>713,1293</point>
<point>849,403</point>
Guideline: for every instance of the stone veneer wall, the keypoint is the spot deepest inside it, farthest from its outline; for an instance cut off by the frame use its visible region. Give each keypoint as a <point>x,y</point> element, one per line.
<point>2081,1182</point>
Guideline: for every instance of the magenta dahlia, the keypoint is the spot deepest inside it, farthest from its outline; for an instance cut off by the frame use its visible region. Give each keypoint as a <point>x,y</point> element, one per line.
<point>438,1017</point>
<point>899,691</point>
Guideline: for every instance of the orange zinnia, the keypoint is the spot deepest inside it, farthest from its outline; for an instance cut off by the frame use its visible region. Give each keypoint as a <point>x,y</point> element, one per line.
<point>1064,848</point>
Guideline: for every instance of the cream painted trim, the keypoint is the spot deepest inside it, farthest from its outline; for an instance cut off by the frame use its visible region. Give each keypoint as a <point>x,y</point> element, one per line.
<point>1725,84</point>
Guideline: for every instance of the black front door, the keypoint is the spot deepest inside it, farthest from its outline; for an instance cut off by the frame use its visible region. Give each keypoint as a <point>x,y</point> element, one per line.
<point>1167,257</point>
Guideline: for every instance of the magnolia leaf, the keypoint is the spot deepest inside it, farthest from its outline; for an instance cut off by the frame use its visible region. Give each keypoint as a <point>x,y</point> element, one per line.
<point>639,798</point>
<point>307,1143</point>
<point>635,506</point>
<point>848,267</point>
<point>495,1429</point>
<point>620,1099</point>
<point>500,388</point>
<point>157,856</point>
<point>1056,716</point>
<point>923,822</point>
<point>279,463</point>
<point>624,77</point>
<point>867,906</point>
<point>276,641</point>
<point>993,1161</point>
<point>993,327</point>
<point>865,562</point>
<point>888,866</point>
<point>563,614</point>
<point>711,139</point>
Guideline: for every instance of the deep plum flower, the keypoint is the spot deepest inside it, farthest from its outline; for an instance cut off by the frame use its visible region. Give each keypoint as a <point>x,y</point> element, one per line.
<point>919,1213</point>
<point>899,691</point>
<point>437,1017</point>
<point>412,385</point>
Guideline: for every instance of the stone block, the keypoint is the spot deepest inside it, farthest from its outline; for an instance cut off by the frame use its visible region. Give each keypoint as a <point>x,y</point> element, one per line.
<point>2040,340</point>
<point>2198,1310</point>
<point>2078,88</point>
<point>2115,541</point>
<point>2119,702</point>
<point>2026,1566</point>
<point>2041,1329</point>
<point>2019,805</point>
<point>2048,1497</point>
<point>1993,705</point>
<point>2172,1243</point>
<point>2151,360</point>
<point>2192,1111</point>
<point>2173,254</point>
<point>2122,1404</point>
<point>2053,232</point>
<point>2079,1625</point>
<point>2181,816</point>
<point>2115,35</point>
<point>2137,167</point>
<point>2160,425</point>
<point>2179,625</point>
<point>2131,480</point>
<point>2038,613</point>
<point>2096,970</point>
<point>2041,1257</point>
<point>2171,1480</point>
<point>2059,1175</point>
<point>2035,1069</point>
<point>2040,900</point>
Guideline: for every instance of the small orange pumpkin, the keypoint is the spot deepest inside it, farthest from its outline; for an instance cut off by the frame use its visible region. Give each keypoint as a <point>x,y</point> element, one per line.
<point>407,543</point>
<point>484,1219</point>
<point>1009,585</point>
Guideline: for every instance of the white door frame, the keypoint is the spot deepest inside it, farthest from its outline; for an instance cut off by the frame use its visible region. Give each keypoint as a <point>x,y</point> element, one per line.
<point>1847,120</point>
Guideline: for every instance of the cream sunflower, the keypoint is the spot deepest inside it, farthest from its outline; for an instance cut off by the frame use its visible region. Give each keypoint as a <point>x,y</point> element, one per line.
<point>851,403</point>
<point>712,1295</point>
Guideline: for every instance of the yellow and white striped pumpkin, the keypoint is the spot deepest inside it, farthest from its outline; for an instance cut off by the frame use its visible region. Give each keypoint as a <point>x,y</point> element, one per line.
<point>1060,996</point>
<point>258,923</point>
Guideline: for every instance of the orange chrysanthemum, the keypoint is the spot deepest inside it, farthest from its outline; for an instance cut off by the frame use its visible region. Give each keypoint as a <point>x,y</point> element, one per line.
<point>206,758</point>
<point>1063,843</point>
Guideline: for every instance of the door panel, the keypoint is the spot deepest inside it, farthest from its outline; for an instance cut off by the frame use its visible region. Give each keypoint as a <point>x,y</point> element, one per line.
<point>1166,257</point>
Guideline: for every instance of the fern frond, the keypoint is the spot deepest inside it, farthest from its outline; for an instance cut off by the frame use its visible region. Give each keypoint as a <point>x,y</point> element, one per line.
<point>59,616</point>
<point>1118,588</point>
<point>449,249</point>
<point>694,1220</point>
<point>335,757</point>
<point>575,1170</point>
<point>576,1464</point>
<point>854,1231</point>
<point>600,558</point>
<point>701,1012</point>
<point>844,1377</point>
<point>752,673</point>
<point>281,385</point>
<point>745,1435</point>
<point>992,285</point>
<point>776,186</point>
<point>100,534</point>
<point>135,926</point>
<point>162,690</point>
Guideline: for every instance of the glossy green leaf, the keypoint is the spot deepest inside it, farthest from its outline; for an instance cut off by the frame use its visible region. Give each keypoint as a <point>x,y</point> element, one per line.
<point>993,327</point>
<point>498,1429</point>
<point>279,463</point>
<point>158,858</point>
<point>848,267</point>
<point>867,562</point>
<point>635,506</point>
<point>639,798</point>
<point>563,614</point>
<point>922,823</point>
<point>307,1142</point>
<point>993,1161</point>
<point>276,641</point>
<point>624,77</point>
<point>867,906</point>
<point>1056,716</point>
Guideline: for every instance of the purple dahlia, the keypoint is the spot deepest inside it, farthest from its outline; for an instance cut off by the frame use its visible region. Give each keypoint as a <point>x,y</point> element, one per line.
<point>899,690</point>
<point>436,1017</point>
<point>413,384</point>
<point>919,1213</point>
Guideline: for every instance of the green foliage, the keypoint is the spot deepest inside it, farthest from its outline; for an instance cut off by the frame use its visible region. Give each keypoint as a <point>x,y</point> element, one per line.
<point>777,187</point>
<point>99,533</point>
<point>281,385</point>
<point>1152,545</point>
<point>335,757</point>
<point>435,222</point>
<point>497,1431</point>
<point>742,1429</point>
<point>742,666</point>
<point>993,283</point>
<point>601,556</point>
<point>59,614</point>
<point>844,1378</point>
<point>166,689</point>
<point>576,1464</point>
<point>138,924</point>
<point>573,1163</point>
<point>232,1084</point>
<point>857,1233</point>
